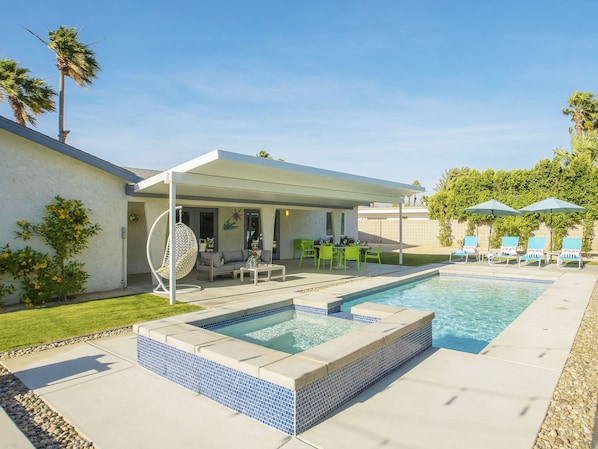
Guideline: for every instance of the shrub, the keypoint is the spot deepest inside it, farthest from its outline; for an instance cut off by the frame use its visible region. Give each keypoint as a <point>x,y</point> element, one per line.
<point>66,229</point>
<point>5,289</point>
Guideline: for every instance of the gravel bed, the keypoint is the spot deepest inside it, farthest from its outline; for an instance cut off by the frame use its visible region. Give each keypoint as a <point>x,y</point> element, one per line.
<point>43,426</point>
<point>569,422</point>
<point>571,415</point>
<point>39,423</point>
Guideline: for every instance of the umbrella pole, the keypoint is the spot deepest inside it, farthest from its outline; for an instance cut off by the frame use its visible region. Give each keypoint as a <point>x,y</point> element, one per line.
<point>490,236</point>
<point>551,232</point>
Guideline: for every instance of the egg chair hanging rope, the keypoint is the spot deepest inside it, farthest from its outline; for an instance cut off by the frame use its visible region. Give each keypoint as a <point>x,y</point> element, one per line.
<point>185,254</point>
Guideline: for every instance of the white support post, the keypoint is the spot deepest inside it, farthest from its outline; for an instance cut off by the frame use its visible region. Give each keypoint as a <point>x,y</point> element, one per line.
<point>401,232</point>
<point>268,217</point>
<point>171,227</point>
<point>337,216</point>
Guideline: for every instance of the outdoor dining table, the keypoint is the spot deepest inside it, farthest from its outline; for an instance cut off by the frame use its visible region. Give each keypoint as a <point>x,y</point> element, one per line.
<point>344,246</point>
<point>338,250</point>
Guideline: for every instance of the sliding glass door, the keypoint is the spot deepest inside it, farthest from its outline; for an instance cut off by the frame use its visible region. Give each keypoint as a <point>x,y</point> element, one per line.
<point>253,233</point>
<point>203,222</point>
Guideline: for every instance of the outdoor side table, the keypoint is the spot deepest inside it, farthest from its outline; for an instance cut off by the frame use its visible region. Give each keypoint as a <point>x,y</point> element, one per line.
<point>263,269</point>
<point>549,255</point>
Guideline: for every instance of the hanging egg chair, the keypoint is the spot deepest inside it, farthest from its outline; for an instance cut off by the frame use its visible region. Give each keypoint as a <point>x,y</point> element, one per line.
<point>185,254</point>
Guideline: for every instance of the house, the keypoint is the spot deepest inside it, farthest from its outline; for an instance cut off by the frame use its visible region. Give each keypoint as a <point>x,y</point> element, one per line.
<point>228,197</point>
<point>34,168</point>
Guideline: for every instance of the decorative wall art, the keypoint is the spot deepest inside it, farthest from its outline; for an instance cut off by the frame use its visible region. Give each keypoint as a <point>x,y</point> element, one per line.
<point>231,222</point>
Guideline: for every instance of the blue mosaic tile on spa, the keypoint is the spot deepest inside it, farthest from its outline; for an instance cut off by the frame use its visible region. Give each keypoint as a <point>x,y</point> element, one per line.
<point>271,404</point>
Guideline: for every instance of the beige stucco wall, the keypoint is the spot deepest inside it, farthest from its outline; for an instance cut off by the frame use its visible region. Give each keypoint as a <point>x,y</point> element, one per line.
<point>425,232</point>
<point>136,239</point>
<point>231,239</point>
<point>300,224</point>
<point>31,175</point>
<point>351,228</point>
<point>137,259</point>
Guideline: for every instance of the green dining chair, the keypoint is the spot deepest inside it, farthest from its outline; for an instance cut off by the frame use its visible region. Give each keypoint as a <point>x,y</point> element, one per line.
<point>352,253</point>
<point>372,254</point>
<point>326,253</point>
<point>307,253</point>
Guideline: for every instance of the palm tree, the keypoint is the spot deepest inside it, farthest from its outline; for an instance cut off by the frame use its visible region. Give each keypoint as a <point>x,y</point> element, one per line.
<point>415,183</point>
<point>73,59</point>
<point>27,96</point>
<point>583,110</point>
<point>582,146</point>
<point>450,176</point>
<point>265,155</point>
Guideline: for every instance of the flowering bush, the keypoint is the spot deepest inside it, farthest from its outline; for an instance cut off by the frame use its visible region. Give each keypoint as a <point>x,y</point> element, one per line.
<point>5,289</point>
<point>66,229</point>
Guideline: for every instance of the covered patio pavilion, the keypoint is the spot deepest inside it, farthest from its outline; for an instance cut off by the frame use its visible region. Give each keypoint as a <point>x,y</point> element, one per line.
<point>223,177</point>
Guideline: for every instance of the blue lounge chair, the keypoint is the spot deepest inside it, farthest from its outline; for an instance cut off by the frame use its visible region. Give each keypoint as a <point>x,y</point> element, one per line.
<point>508,251</point>
<point>570,252</point>
<point>469,248</point>
<point>535,251</point>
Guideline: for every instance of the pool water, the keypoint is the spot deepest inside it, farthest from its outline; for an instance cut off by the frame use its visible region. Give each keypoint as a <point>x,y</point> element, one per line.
<point>289,331</point>
<point>470,312</point>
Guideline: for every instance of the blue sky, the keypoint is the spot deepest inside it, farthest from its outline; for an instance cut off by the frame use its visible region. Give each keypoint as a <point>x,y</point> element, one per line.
<point>398,90</point>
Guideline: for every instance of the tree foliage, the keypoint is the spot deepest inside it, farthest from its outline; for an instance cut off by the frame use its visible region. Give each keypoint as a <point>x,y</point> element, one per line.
<point>583,110</point>
<point>571,175</point>
<point>74,60</point>
<point>27,96</point>
<point>576,183</point>
<point>265,155</point>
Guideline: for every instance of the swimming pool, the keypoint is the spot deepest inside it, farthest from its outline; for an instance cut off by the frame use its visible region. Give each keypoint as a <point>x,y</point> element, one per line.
<point>470,311</point>
<point>290,331</point>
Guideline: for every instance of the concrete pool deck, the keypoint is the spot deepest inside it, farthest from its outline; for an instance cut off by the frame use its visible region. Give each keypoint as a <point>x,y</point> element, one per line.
<point>442,398</point>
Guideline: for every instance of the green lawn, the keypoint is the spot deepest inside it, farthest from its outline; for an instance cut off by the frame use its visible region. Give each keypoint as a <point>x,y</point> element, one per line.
<point>59,321</point>
<point>35,326</point>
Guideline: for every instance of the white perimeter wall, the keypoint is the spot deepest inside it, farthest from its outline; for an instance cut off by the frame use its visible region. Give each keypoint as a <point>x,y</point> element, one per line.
<point>425,232</point>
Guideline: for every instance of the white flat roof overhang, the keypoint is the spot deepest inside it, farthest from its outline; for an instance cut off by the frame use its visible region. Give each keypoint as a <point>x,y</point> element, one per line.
<point>227,177</point>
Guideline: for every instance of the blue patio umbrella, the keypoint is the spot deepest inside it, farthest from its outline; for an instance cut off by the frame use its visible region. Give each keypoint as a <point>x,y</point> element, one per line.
<point>493,208</point>
<point>552,206</point>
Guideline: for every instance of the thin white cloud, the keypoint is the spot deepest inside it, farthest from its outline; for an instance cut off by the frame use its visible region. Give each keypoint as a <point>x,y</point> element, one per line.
<point>346,124</point>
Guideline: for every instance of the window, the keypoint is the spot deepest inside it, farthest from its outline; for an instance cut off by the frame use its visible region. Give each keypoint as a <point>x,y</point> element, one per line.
<point>329,223</point>
<point>330,227</point>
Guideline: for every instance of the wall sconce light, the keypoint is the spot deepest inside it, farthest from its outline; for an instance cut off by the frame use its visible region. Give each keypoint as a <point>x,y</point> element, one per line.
<point>286,213</point>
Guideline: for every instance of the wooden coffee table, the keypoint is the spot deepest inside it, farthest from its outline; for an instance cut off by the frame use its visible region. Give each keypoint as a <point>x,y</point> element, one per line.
<point>267,268</point>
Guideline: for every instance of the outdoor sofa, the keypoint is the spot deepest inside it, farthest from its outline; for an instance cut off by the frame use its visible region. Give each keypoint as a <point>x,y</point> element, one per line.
<point>225,262</point>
